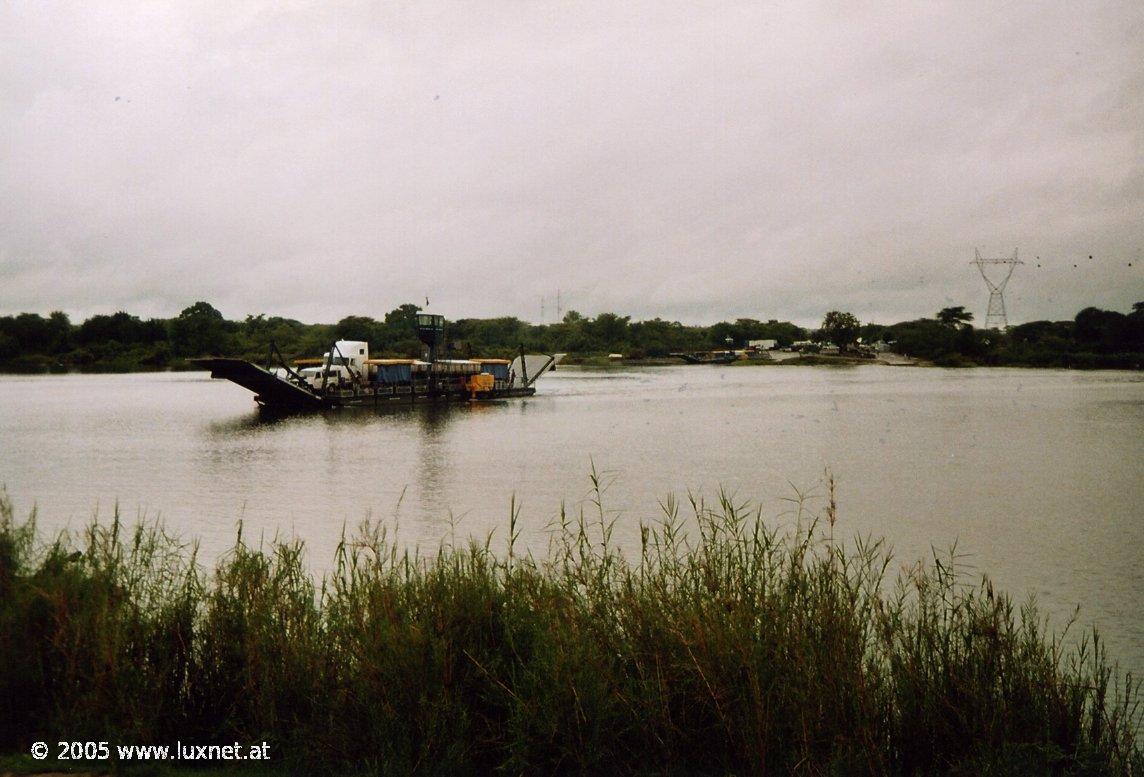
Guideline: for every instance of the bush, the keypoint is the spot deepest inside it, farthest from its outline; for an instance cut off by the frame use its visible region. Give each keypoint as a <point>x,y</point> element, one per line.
<point>28,363</point>
<point>953,360</point>
<point>740,649</point>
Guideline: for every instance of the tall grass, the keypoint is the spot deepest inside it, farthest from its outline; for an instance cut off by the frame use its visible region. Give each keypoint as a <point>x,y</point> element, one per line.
<point>725,647</point>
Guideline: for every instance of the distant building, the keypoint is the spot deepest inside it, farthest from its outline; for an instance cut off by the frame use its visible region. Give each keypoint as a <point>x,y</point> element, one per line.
<point>763,345</point>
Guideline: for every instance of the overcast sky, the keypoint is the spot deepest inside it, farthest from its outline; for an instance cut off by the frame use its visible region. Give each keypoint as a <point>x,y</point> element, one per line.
<point>693,161</point>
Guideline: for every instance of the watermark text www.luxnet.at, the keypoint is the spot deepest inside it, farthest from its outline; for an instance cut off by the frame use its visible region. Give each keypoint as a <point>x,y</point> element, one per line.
<point>180,751</point>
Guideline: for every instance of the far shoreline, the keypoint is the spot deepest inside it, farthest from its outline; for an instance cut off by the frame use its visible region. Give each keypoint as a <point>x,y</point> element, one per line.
<point>595,361</point>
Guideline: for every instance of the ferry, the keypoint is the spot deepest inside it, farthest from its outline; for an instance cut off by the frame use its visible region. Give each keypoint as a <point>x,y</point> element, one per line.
<point>346,375</point>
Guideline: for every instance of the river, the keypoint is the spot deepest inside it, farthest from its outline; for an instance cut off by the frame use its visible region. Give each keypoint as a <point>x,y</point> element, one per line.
<point>1035,475</point>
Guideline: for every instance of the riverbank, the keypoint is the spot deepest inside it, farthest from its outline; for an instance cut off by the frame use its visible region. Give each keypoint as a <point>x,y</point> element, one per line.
<point>41,365</point>
<point>1095,339</point>
<point>767,359</point>
<point>724,647</point>
<point>1128,362</point>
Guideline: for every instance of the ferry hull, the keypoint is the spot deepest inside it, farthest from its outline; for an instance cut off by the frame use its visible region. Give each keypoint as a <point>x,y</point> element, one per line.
<point>376,399</point>
<point>273,392</point>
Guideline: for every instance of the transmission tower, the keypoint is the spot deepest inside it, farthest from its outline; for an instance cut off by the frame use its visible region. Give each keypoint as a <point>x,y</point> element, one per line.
<point>995,317</point>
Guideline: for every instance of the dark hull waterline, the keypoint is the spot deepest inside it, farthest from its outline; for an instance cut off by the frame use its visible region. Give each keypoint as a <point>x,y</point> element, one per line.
<point>273,392</point>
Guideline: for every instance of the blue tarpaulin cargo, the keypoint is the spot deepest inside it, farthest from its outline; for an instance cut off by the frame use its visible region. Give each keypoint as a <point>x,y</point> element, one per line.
<point>498,371</point>
<point>393,374</point>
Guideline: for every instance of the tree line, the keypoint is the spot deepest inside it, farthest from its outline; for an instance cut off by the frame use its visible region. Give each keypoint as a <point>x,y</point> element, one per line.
<point>121,341</point>
<point>1094,338</point>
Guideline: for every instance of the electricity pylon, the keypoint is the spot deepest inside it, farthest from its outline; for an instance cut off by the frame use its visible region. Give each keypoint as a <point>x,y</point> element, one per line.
<point>995,317</point>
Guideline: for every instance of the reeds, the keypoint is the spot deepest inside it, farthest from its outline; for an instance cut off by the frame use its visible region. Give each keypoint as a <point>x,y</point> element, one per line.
<point>725,647</point>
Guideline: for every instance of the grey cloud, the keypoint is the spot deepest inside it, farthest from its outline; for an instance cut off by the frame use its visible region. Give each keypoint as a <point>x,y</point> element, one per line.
<point>683,161</point>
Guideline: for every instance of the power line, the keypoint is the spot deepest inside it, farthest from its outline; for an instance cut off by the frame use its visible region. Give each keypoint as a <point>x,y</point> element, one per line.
<point>995,316</point>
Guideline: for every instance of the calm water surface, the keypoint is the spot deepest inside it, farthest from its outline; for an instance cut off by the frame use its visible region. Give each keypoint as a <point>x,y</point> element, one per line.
<point>1035,475</point>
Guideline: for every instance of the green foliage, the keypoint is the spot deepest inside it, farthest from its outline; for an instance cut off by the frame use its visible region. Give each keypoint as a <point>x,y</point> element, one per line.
<point>872,333</point>
<point>1106,331</point>
<point>839,328</point>
<point>609,330</point>
<point>659,338</point>
<point>59,332</point>
<point>924,338</point>
<point>293,338</point>
<point>954,317</point>
<point>199,330</point>
<point>726,647</point>
<point>30,333</point>
<point>123,342</point>
<point>402,321</point>
<point>361,328</point>
<point>743,330</point>
<point>122,328</point>
<point>1095,338</point>
<point>9,347</point>
<point>483,336</point>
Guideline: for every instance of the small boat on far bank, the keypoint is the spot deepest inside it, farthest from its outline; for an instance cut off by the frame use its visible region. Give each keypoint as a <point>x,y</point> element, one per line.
<point>708,357</point>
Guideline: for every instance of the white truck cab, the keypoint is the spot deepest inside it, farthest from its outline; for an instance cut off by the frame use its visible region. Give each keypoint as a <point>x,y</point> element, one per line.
<point>344,363</point>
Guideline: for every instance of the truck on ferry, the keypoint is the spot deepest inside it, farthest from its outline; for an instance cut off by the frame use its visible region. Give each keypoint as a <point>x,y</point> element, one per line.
<point>347,375</point>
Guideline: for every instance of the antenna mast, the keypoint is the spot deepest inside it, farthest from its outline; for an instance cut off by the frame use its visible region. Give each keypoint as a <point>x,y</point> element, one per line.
<point>995,317</point>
